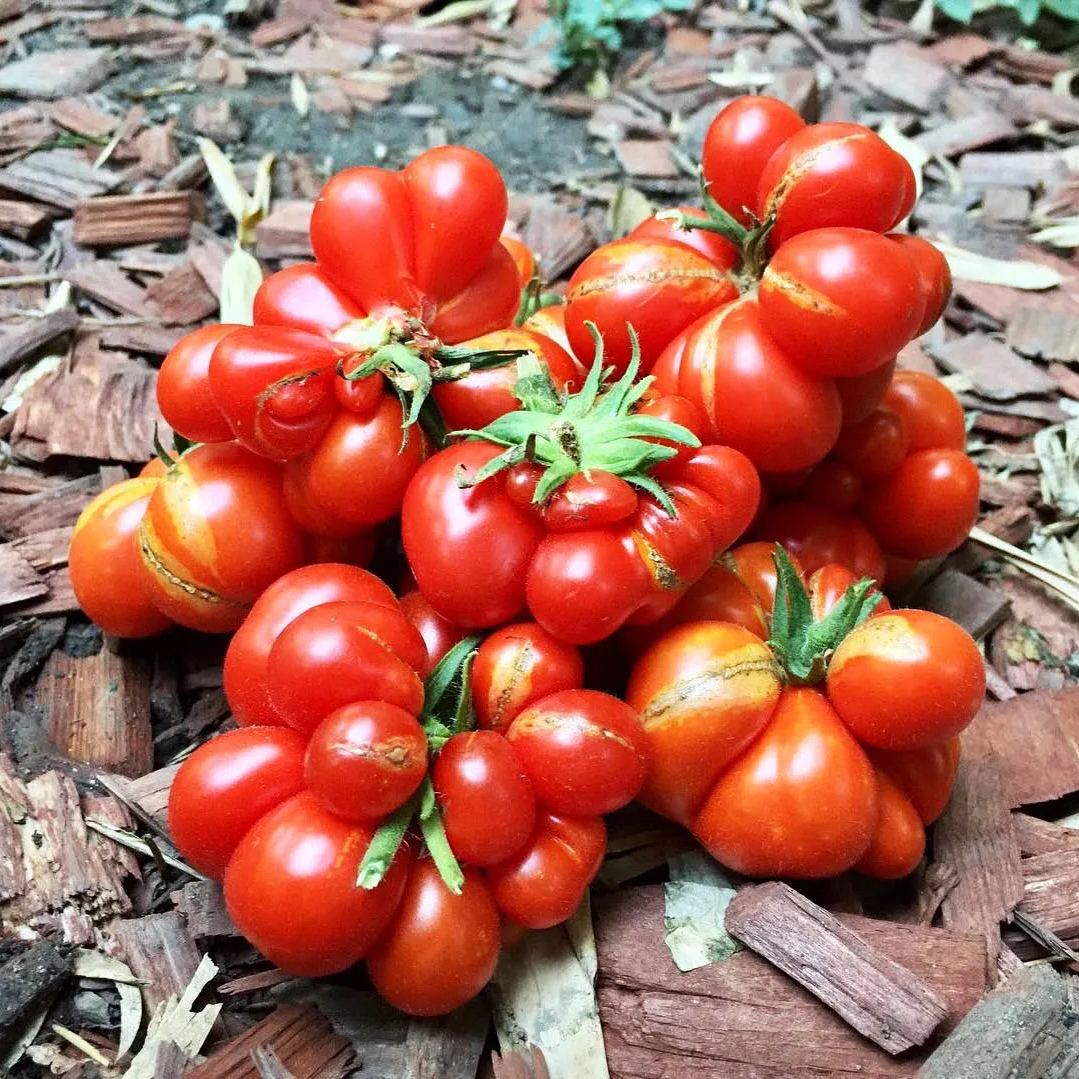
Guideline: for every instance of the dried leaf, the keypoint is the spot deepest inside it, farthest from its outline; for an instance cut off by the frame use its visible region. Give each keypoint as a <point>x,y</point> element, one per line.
<point>258,205</point>
<point>92,964</point>
<point>34,1022</point>
<point>47,363</point>
<point>301,99</point>
<point>458,11</point>
<point>1057,448</point>
<point>241,276</point>
<point>1015,273</point>
<point>627,209</point>
<point>695,902</point>
<point>916,157</point>
<point>1062,233</point>
<point>225,179</point>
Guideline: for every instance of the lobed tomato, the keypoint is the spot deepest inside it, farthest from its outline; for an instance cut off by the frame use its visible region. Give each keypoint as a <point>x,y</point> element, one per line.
<point>717,249</point>
<point>817,536</point>
<point>183,386</point>
<point>439,635</point>
<point>934,276</point>
<point>898,841</point>
<point>932,415</point>
<point>875,446</point>
<point>524,258</point>
<point>860,394</point>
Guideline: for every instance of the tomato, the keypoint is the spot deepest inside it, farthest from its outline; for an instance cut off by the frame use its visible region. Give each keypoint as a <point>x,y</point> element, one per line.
<point>487,393</point>
<point>357,475</point>
<point>584,752</point>
<point>842,301</point>
<point>215,534</point>
<point>833,485</point>
<point>934,276</point>
<point>290,889</point>
<point>717,249</point>
<point>441,949</point>
<point>153,470</point>
<point>875,446</point>
<point>183,386</point>
<point>423,242</point>
<point>356,549</point>
<point>834,174</point>
<point>365,760</point>
<point>544,883</point>
<point>108,577</point>
<point>860,394</point>
<point>898,841</point>
<point>515,667</point>
<point>755,398</point>
<point>246,661</point>
<point>488,805</point>
<point>738,144</point>
<point>226,786</point>
<point>523,258</point>
<point>927,506</point>
<point>593,501</point>
<point>816,536</point>
<point>304,298</point>
<point>550,322</point>
<point>337,653</point>
<point>932,415</point>
<point>827,585</point>
<point>438,635</point>
<point>801,801</point>
<point>925,776</point>
<point>906,680</point>
<point>656,286</point>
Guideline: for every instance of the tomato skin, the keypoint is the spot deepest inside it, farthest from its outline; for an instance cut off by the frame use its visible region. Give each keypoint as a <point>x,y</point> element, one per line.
<point>515,667</point>
<point>215,534</point>
<point>441,949</point>
<point>357,475</point>
<point>593,501</point>
<point>932,415</point>
<point>226,786</point>
<point>834,174</point>
<point>658,287</point>
<point>927,506</point>
<point>446,528</point>
<point>898,841</point>
<point>488,805</point>
<point>801,801</point>
<point>827,586</point>
<point>290,888</point>
<point>703,691</point>
<point>906,680</point>
<point>303,297</point>
<point>275,387</point>
<point>543,884</point>
<point>756,399</point>
<point>488,303</point>
<point>860,394</point>
<point>717,249</point>
<point>365,760</point>
<point>247,658</point>
<point>833,485</point>
<point>550,321</point>
<point>183,386</point>
<point>934,276</point>
<point>874,447</point>
<point>584,752</point>
<point>107,573</point>
<point>483,395</point>
<point>841,301</point>
<point>338,653</point>
<point>438,634</point>
<point>925,776</point>
<point>523,258</point>
<point>737,146</point>
<point>817,536</point>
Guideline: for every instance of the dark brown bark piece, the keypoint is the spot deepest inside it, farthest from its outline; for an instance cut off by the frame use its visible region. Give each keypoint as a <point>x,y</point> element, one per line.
<point>182,296</point>
<point>28,981</point>
<point>61,178</point>
<point>28,338</point>
<point>1047,335</point>
<point>120,220</point>
<point>285,231</point>
<point>878,997</point>
<point>19,581</point>
<point>26,220</point>
<point>202,903</point>
<point>975,606</point>
<point>160,951</point>
<point>1051,893</point>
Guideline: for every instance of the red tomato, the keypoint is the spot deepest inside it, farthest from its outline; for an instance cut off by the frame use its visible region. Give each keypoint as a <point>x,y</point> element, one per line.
<point>183,386</point>
<point>817,536</point>
<point>438,634</point>
<point>303,297</point>
<point>215,534</point>
<point>717,249</point>
<point>593,501</point>
<point>833,485</point>
<point>737,146</point>
<point>365,760</point>
<point>827,586</point>
<point>800,802</point>
<point>906,680</point>
<point>657,287</point>
<point>523,258</point>
<point>291,889</point>
<point>934,276</point>
<point>485,394</point>
<point>927,506</point>
<point>488,805</point>
<point>545,881</point>
<point>226,786</point>
<point>755,398</point>
<point>860,394</point>
<point>246,671</point>
<point>898,841</point>
<point>841,301</point>
<point>107,573</point>
<point>413,241</point>
<point>551,322</point>
<point>874,447</point>
<point>441,949</point>
<point>931,413</point>
<point>584,752</point>
<point>834,174</point>
<point>925,776</point>
<point>337,653</point>
<point>515,667</point>
<point>357,475</point>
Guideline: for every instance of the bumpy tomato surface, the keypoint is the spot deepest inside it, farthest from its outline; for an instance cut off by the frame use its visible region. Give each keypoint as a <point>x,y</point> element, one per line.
<point>817,536</point>
<point>183,386</point>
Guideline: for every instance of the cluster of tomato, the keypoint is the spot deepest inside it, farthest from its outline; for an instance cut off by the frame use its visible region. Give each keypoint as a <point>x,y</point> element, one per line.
<point>416,779</point>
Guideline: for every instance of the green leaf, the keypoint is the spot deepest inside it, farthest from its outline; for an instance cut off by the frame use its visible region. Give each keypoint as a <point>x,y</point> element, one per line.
<point>653,487</point>
<point>959,10</point>
<point>384,845</point>
<point>438,846</point>
<point>553,478</point>
<point>654,427</point>
<point>448,668</point>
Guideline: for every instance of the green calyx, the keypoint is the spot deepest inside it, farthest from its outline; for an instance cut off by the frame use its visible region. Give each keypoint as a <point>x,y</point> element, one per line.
<point>447,710</point>
<point>594,428</point>
<point>532,299</point>
<point>802,644</point>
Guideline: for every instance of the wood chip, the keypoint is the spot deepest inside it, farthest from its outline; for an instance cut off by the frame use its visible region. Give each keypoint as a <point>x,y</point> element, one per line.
<point>285,231</point>
<point>26,514</point>
<point>975,606</point>
<point>160,952</point>
<point>1047,335</point>
<point>78,115</point>
<point>29,981</point>
<point>182,296</point>
<point>646,157</point>
<point>151,792</point>
<point>995,370</point>
<point>19,581</point>
<point>966,133</point>
<point>145,340</point>
<point>58,177</point>
<point>1037,836</point>
<point>452,41</point>
<point>202,903</point>
<point>907,74</point>
<point>129,31</point>
<point>29,338</point>
<point>26,220</point>
<point>215,120</point>
<point>56,74</point>
<point>105,282</point>
<point>1026,168</point>
<point>120,220</point>
<point>279,30</point>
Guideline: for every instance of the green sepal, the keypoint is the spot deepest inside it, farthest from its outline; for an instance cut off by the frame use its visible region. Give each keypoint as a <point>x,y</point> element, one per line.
<point>438,845</point>
<point>448,669</point>
<point>384,844</point>
<point>804,646</point>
